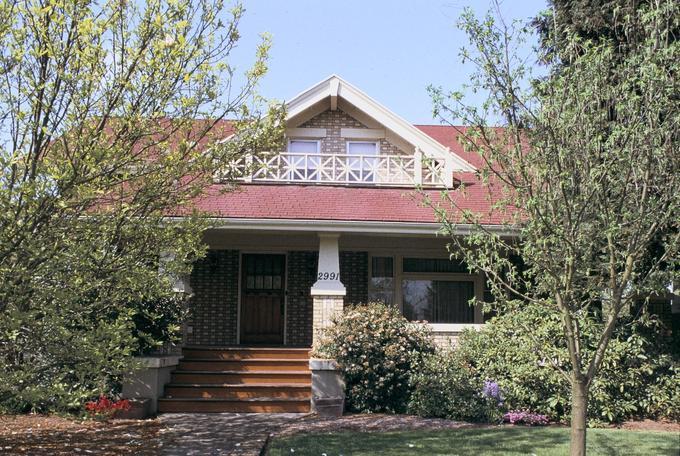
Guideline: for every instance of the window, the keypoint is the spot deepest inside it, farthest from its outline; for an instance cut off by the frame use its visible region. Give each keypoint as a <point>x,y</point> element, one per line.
<point>304,162</point>
<point>434,265</point>
<point>381,287</point>
<point>361,169</point>
<point>438,301</point>
<point>439,291</point>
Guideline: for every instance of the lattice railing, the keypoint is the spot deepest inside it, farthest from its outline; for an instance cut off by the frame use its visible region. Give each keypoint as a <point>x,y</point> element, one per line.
<point>433,171</point>
<point>398,170</point>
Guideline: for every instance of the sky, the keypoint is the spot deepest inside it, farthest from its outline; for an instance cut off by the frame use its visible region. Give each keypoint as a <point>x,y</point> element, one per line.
<point>392,50</point>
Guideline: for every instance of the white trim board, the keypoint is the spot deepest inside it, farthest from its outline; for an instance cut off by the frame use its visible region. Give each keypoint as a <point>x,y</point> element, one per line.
<point>345,226</point>
<point>453,327</point>
<point>306,133</point>
<point>362,133</point>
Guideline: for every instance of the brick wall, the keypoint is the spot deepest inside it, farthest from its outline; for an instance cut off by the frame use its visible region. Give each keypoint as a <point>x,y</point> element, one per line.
<point>214,306</point>
<point>333,143</point>
<point>354,275</point>
<point>446,339</point>
<point>301,276</point>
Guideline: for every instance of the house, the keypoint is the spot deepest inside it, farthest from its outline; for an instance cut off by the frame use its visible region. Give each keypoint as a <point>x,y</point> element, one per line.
<point>332,221</point>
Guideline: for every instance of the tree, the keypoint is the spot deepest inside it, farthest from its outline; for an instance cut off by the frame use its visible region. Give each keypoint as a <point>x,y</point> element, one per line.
<point>109,119</point>
<point>593,20</point>
<point>585,169</point>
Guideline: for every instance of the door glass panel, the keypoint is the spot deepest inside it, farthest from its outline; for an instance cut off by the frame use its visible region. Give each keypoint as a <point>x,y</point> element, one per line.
<point>264,272</point>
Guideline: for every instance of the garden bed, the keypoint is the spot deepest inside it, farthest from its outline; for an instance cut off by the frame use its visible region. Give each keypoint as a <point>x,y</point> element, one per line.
<point>53,435</point>
<point>380,422</point>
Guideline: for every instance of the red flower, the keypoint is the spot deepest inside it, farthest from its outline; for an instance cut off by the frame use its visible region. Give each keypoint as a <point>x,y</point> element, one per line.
<point>105,406</point>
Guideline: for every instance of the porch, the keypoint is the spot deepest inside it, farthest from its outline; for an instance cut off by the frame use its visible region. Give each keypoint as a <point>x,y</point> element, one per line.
<point>278,287</point>
<point>260,298</point>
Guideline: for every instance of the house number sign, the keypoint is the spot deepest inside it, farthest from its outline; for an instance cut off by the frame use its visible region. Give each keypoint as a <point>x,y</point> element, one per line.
<point>328,276</point>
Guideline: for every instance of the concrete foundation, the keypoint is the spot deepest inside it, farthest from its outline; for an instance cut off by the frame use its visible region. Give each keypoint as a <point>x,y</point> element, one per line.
<point>328,387</point>
<point>150,379</point>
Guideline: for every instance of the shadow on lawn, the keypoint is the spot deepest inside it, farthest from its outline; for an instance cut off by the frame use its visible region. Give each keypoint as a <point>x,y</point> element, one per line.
<point>655,442</point>
<point>455,441</point>
<point>477,441</point>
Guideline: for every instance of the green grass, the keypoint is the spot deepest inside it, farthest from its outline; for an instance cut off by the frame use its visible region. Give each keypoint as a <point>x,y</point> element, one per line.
<point>550,441</point>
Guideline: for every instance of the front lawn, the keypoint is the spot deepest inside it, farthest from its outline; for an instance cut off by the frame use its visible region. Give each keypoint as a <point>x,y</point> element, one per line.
<point>551,441</point>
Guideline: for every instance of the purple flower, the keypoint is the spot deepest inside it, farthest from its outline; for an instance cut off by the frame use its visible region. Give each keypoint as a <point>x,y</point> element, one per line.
<point>492,391</point>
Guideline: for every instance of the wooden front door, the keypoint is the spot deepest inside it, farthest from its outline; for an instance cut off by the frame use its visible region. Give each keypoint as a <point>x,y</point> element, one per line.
<point>262,299</point>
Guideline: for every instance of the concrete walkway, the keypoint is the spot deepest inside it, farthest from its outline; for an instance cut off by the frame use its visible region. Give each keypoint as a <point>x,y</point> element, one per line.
<point>220,433</point>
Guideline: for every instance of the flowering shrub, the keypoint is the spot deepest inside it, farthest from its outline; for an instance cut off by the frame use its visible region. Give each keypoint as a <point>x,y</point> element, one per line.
<point>446,388</point>
<point>105,407</point>
<point>378,350</point>
<point>639,378</point>
<point>525,417</point>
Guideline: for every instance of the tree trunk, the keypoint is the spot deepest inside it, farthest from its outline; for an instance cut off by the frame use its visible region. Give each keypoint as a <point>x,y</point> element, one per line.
<point>579,413</point>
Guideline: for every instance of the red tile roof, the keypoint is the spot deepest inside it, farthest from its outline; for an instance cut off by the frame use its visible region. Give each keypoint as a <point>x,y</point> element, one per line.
<point>448,136</point>
<point>349,203</point>
<point>322,202</point>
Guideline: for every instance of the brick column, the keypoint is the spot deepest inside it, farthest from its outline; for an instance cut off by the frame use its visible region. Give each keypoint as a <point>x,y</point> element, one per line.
<point>328,292</point>
<point>325,308</point>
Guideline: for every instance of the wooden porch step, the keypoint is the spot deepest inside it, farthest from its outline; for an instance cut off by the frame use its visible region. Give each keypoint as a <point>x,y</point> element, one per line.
<point>244,353</point>
<point>239,391</point>
<point>259,405</point>
<point>236,377</point>
<point>240,379</point>
<point>246,365</point>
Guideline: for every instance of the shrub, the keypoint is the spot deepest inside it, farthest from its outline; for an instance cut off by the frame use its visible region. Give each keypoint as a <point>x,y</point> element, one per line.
<point>157,322</point>
<point>445,388</point>
<point>54,361</point>
<point>378,350</point>
<point>638,379</point>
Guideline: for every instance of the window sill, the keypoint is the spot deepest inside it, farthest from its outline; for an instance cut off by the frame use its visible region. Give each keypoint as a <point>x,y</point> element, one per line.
<point>453,327</point>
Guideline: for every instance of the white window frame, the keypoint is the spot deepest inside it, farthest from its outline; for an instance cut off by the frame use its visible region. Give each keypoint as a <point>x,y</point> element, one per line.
<point>317,141</point>
<point>478,317</point>
<point>360,158</point>
<point>291,176</point>
<point>356,141</point>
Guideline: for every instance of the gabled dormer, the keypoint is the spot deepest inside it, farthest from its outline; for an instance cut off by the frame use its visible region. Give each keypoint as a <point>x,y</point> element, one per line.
<point>338,135</point>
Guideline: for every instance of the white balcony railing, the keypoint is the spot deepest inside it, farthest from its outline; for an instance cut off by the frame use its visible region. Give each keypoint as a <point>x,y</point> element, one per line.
<point>386,170</point>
